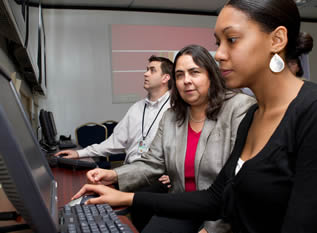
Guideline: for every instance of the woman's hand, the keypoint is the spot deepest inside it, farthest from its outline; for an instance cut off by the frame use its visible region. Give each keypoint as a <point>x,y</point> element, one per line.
<point>165,179</point>
<point>102,176</point>
<point>107,195</point>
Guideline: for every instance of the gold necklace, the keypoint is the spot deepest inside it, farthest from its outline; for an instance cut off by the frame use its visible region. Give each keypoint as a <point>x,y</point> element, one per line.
<point>194,120</point>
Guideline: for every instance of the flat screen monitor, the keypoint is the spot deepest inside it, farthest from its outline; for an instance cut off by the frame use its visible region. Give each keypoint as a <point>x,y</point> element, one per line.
<point>25,174</point>
<point>52,124</point>
<point>48,130</point>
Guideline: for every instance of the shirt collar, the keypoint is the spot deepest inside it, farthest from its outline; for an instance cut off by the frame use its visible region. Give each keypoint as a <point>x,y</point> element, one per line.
<point>159,100</point>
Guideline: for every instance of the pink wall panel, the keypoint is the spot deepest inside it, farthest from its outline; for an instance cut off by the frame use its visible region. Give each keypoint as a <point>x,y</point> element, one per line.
<point>144,37</point>
<point>128,83</point>
<point>132,45</point>
<point>131,61</point>
<point>135,60</point>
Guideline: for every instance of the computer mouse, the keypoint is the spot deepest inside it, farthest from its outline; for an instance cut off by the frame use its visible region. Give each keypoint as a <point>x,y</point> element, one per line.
<point>87,197</point>
<point>82,199</point>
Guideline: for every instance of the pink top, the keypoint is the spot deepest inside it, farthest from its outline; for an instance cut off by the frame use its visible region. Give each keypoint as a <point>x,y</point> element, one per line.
<point>192,141</point>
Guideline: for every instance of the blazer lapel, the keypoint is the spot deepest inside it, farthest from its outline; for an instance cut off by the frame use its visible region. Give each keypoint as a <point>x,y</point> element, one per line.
<point>181,142</point>
<point>209,125</point>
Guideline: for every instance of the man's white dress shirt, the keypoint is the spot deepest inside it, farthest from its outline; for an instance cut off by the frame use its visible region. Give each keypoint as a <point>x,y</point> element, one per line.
<point>127,134</point>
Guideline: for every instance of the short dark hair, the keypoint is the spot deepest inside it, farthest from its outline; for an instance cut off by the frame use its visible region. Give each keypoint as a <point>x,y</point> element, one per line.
<point>166,67</point>
<point>217,89</point>
<point>271,14</point>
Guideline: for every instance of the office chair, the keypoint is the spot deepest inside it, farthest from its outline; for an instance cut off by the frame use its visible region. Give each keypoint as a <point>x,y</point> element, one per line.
<point>116,160</point>
<point>110,124</point>
<point>93,133</point>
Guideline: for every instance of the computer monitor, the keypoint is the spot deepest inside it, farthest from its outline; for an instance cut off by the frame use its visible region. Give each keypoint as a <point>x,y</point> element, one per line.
<point>52,124</point>
<point>25,174</point>
<point>47,129</point>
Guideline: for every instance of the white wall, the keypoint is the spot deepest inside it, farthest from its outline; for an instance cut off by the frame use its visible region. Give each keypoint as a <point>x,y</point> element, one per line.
<point>79,66</point>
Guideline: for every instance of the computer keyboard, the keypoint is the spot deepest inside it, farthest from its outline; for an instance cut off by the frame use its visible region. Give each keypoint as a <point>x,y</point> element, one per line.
<point>55,161</point>
<point>91,218</point>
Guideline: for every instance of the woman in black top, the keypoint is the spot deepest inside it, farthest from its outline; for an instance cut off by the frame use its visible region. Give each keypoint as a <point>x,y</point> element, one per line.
<point>269,184</point>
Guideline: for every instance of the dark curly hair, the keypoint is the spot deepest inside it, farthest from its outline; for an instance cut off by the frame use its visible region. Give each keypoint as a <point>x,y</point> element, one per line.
<point>217,89</point>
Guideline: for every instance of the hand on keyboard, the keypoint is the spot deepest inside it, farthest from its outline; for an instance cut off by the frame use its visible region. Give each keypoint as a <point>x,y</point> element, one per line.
<point>68,154</point>
<point>106,195</point>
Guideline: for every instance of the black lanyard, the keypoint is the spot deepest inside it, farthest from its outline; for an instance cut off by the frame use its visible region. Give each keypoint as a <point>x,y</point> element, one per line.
<point>153,120</point>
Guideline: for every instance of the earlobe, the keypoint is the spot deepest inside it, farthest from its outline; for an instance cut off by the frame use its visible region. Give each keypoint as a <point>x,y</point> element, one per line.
<point>279,39</point>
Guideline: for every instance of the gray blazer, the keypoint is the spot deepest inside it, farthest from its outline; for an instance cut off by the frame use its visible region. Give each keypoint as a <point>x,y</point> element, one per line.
<point>167,152</point>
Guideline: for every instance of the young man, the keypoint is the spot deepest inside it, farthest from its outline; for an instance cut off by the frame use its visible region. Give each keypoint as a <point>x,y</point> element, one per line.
<point>135,132</point>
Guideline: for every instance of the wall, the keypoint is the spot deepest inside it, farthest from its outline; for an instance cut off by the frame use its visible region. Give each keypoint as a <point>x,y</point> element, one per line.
<point>311,28</point>
<point>79,65</point>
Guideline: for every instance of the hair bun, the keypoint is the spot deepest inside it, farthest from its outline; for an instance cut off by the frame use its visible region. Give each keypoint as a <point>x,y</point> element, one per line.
<point>305,43</point>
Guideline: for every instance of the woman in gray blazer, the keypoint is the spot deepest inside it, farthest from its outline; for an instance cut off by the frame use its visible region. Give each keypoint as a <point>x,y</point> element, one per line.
<point>194,138</point>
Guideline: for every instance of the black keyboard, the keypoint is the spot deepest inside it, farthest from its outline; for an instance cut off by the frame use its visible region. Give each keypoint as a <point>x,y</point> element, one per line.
<point>91,218</point>
<point>65,144</point>
<point>78,164</point>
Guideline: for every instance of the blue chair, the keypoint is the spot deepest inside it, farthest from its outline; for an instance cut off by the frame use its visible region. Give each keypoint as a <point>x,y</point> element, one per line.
<point>116,160</point>
<point>92,133</point>
<point>110,124</point>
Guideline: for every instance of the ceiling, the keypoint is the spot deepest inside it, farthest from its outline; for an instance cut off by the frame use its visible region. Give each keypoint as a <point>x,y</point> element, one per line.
<point>307,8</point>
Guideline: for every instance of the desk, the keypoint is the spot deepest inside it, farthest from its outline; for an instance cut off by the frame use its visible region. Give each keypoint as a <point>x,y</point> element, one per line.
<point>69,182</point>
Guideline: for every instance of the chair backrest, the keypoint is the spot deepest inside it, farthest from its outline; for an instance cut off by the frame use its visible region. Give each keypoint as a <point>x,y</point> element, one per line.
<point>90,133</point>
<point>110,124</point>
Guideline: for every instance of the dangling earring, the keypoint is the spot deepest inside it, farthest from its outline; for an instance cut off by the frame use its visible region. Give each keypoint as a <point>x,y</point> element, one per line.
<point>277,64</point>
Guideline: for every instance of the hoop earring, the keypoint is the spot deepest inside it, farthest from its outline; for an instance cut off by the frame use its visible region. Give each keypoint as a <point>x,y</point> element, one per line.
<point>277,64</point>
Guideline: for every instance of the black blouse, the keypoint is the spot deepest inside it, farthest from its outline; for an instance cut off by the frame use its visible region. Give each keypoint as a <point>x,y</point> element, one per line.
<point>275,191</point>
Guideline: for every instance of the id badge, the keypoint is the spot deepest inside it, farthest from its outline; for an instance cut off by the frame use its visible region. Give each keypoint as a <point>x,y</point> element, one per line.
<point>142,147</point>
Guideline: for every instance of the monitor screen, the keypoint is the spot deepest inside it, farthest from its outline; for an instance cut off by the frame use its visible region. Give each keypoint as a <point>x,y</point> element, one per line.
<point>52,124</point>
<point>47,128</point>
<point>25,154</point>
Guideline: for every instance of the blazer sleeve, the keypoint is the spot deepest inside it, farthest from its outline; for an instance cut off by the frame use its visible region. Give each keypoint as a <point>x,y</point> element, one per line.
<point>149,167</point>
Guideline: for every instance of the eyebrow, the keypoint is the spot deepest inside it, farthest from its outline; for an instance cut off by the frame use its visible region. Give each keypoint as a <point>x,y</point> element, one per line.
<point>178,71</point>
<point>223,30</point>
<point>150,67</point>
<point>190,69</point>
